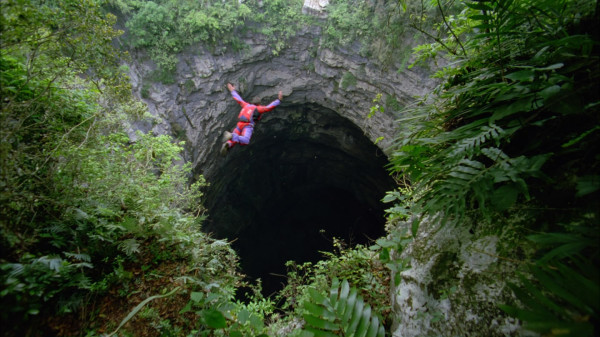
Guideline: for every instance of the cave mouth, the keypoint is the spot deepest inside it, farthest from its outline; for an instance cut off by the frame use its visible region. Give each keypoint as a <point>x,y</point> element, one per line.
<point>307,176</point>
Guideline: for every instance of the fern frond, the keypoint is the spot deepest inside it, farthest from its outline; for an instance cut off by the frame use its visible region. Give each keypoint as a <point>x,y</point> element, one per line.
<point>547,298</point>
<point>494,154</point>
<point>79,257</point>
<point>129,246</point>
<point>53,263</point>
<point>17,269</point>
<point>471,184</point>
<point>343,313</point>
<point>471,146</point>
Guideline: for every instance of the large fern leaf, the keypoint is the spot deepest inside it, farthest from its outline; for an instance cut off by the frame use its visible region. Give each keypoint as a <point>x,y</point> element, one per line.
<point>468,145</point>
<point>343,313</point>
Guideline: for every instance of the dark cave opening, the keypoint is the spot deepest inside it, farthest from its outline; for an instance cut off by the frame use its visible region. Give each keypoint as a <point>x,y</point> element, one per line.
<point>307,176</point>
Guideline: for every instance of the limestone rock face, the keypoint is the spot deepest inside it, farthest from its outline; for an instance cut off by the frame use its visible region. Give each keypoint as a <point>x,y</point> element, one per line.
<point>315,167</point>
<point>456,279</point>
<point>315,7</point>
<point>198,107</point>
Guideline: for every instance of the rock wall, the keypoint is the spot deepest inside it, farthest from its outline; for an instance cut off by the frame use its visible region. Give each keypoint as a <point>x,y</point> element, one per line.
<point>198,108</point>
<point>317,144</point>
<point>456,279</point>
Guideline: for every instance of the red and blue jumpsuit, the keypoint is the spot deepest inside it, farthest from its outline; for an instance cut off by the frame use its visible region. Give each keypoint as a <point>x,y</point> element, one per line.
<point>249,115</point>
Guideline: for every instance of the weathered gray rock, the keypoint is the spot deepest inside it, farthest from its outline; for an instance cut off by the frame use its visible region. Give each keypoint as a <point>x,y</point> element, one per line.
<point>457,278</point>
<point>198,108</point>
<point>315,7</point>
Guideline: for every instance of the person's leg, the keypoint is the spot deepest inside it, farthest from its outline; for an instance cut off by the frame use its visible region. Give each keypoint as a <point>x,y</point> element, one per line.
<point>244,137</point>
<point>234,137</point>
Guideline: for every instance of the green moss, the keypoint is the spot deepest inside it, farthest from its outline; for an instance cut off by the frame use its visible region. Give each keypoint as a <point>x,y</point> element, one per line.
<point>392,104</point>
<point>445,271</point>
<point>189,85</point>
<point>145,92</point>
<point>163,76</point>
<point>348,80</point>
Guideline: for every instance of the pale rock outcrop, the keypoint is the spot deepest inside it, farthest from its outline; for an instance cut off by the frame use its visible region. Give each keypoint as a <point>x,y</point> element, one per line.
<point>315,7</point>
<point>198,107</point>
<point>457,277</point>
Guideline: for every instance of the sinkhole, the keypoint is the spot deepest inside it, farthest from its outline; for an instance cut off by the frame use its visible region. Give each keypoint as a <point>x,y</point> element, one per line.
<point>307,176</point>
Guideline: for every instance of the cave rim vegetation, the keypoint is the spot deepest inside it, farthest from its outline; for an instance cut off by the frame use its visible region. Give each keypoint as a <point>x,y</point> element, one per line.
<point>118,208</point>
<point>310,164</point>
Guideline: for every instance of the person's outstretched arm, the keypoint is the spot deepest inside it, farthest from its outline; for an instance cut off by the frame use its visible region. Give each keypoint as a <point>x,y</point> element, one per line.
<point>271,105</point>
<point>235,95</point>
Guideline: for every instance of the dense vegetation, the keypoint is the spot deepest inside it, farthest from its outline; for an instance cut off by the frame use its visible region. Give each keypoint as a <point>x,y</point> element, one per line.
<point>81,201</point>
<point>511,138</point>
<point>102,228</point>
<point>163,28</point>
<point>99,225</point>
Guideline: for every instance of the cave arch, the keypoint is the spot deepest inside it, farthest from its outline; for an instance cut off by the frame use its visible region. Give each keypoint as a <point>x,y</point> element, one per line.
<point>307,176</point>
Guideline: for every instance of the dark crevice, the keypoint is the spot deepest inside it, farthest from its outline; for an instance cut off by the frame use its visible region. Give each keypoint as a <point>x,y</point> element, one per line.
<point>307,176</point>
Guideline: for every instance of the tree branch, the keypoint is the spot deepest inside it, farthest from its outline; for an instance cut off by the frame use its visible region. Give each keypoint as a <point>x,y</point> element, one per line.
<point>450,29</point>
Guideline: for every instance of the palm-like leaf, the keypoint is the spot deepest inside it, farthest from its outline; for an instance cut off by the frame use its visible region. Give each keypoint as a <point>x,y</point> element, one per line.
<point>343,313</point>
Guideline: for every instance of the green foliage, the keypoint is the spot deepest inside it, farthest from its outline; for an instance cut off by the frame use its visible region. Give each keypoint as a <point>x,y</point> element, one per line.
<point>392,103</point>
<point>140,306</point>
<point>513,128</point>
<point>81,200</point>
<point>376,29</point>
<point>376,108</point>
<point>464,157</point>
<point>347,21</point>
<point>46,107</point>
<point>219,313</point>
<point>165,28</point>
<point>343,313</point>
<point>389,249</point>
<point>561,295</point>
<point>358,265</point>
<point>145,91</point>
<point>348,80</point>
<point>28,284</point>
<point>279,20</point>
<point>401,200</point>
<point>62,37</point>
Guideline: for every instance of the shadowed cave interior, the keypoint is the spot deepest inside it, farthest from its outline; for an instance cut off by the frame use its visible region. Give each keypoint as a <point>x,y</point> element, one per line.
<point>307,176</point>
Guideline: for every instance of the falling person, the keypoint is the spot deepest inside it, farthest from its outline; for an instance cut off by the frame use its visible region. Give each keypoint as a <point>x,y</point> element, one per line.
<point>250,114</point>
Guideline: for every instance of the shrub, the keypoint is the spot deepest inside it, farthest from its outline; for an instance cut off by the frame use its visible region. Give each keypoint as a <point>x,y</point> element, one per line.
<point>513,128</point>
